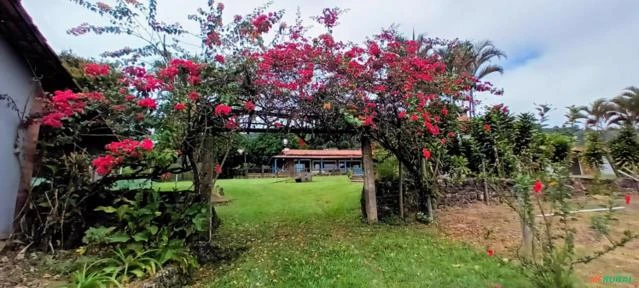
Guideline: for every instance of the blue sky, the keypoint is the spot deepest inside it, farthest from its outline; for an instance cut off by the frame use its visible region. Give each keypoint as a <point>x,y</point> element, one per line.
<point>560,52</point>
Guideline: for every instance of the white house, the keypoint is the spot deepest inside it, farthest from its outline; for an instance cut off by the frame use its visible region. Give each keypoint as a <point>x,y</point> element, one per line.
<point>28,67</point>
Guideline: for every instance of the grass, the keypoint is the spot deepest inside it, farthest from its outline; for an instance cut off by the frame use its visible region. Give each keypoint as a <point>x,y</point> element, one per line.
<point>311,235</point>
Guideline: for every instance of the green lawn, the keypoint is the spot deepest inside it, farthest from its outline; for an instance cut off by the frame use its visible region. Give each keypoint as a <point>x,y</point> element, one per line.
<point>311,235</point>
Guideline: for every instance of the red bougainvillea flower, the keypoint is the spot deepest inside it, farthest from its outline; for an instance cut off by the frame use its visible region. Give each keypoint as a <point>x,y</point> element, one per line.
<point>213,39</point>
<point>490,252</point>
<point>219,58</point>
<point>627,198</point>
<point>179,106</point>
<point>249,105</point>
<point>95,70</point>
<point>166,176</point>
<point>193,80</point>
<point>95,96</point>
<point>103,6</point>
<point>261,23</point>
<point>368,121</point>
<point>105,164</point>
<point>444,111</point>
<point>538,186</point>
<point>218,169</point>
<point>148,103</point>
<point>401,115</point>
<point>487,127</point>
<point>146,144</point>
<point>194,96</point>
<point>426,153</point>
<point>67,102</point>
<point>223,110</point>
<point>53,120</point>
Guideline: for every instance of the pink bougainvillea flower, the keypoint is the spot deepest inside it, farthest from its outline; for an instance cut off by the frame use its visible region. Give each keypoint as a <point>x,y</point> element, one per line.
<point>129,97</point>
<point>426,153</point>
<point>218,169</point>
<point>249,105</point>
<point>627,198</point>
<point>490,252</point>
<point>146,144</point>
<point>53,120</point>
<point>401,115</point>
<point>219,58</point>
<point>538,186</point>
<point>179,106</point>
<point>148,103</point>
<point>223,110</point>
<point>278,124</point>
<point>96,70</point>
<point>444,111</point>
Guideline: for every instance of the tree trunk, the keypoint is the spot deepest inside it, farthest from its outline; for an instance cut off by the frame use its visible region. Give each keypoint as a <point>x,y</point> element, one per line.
<point>401,191</point>
<point>370,198</point>
<point>207,174</point>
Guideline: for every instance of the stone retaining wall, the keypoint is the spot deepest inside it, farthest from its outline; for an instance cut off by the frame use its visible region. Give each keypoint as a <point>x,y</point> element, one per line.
<point>461,194</point>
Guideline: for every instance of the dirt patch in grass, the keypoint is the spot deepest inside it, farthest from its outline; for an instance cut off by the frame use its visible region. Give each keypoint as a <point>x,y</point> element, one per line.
<point>498,227</point>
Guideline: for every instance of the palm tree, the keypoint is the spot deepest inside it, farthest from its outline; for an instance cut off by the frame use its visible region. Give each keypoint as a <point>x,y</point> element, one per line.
<point>598,113</point>
<point>474,59</point>
<point>625,108</point>
<point>573,115</point>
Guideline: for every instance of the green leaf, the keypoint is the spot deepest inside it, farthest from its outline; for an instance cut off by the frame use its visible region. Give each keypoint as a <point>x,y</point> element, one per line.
<point>118,237</point>
<point>141,236</point>
<point>153,229</point>
<point>106,209</point>
<point>138,273</point>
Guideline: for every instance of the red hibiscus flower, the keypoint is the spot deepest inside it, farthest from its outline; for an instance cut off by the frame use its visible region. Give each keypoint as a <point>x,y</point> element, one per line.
<point>218,169</point>
<point>487,127</point>
<point>627,198</point>
<point>490,252</point>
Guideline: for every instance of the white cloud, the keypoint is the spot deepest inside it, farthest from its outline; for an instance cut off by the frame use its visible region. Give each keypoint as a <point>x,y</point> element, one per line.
<point>585,49</point>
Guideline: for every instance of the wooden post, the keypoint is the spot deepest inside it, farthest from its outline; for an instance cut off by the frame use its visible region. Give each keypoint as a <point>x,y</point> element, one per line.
<point>370,198</point>
<point>401,191</point>
<point>483,167</point>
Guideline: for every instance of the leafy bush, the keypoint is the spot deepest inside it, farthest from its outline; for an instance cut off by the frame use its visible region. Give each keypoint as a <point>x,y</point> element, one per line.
<point>624,149</point>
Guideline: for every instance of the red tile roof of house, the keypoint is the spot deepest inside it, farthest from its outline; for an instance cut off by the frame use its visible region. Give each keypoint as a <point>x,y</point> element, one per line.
<point>323,154</point>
